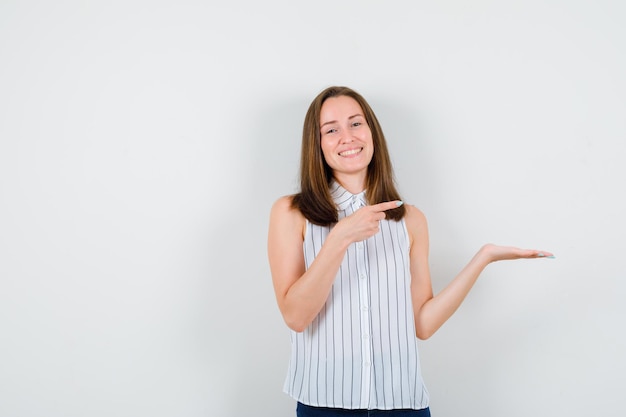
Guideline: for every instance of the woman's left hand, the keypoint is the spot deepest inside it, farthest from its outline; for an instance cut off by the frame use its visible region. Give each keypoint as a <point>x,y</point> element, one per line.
<point>495,253</point>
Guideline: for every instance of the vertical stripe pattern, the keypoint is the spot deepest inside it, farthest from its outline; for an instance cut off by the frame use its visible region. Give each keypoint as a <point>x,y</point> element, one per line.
<point>360,352</point>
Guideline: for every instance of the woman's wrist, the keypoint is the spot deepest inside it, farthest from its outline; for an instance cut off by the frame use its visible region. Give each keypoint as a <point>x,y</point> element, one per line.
<point>337,240</point>
<point>486,254</point>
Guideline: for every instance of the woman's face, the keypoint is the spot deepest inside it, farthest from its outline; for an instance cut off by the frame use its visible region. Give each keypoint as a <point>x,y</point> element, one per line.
<point>346,139</point>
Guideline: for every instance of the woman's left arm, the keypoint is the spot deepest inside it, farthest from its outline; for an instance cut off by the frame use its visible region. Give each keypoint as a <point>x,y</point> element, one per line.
<point>431,312</point>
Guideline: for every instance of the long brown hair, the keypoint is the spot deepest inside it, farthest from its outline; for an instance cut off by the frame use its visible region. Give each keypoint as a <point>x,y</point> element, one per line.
<point>314,199</point>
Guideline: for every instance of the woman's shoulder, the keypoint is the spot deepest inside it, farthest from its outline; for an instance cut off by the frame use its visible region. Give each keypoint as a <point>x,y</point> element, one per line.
<point>416,225</point>
<point>286,219</point>
<point>414,217</point>
<point>284,208</point>
<point>284,204</point>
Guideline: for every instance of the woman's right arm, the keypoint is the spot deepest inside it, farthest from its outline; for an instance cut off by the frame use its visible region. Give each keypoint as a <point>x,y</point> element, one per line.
<point>300,292</point>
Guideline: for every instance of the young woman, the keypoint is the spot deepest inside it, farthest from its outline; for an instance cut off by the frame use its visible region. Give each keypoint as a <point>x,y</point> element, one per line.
<point>349,264</point>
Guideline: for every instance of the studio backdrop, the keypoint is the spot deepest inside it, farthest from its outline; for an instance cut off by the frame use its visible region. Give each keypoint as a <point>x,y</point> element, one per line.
<point>143,143</point>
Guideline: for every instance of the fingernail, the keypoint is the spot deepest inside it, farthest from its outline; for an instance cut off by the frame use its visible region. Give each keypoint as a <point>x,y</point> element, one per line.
<point>541,255</point>
<point>399,203</point>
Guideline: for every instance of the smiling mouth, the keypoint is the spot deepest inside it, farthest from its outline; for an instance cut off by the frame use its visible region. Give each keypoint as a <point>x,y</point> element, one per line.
<point>350,152</point>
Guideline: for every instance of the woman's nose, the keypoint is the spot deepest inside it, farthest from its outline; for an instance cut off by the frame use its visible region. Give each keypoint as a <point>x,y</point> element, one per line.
<point>346,137</point>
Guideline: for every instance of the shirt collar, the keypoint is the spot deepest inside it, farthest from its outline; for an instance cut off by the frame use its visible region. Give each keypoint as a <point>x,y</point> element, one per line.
<point>343,198</point>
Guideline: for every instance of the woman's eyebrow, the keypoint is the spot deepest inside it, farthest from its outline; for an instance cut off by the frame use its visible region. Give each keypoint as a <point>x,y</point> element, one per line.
<point>334,121</point>
<point>328,123</point>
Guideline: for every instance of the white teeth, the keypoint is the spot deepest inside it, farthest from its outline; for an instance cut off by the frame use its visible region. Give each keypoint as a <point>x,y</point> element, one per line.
<point>350,152</point>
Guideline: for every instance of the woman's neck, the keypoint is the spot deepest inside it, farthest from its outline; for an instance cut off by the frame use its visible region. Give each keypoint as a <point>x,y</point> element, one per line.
<point>353,183</point>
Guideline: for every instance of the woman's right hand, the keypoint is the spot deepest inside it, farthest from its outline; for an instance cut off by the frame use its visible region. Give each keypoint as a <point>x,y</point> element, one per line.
<point>363,223</point>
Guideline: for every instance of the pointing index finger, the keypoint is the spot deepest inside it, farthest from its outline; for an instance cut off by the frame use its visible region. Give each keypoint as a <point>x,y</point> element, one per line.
<point>387,205</point>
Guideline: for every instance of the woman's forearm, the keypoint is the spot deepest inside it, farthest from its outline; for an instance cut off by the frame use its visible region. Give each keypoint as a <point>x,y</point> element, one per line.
<point>438,309</point>
<point>306,297</point>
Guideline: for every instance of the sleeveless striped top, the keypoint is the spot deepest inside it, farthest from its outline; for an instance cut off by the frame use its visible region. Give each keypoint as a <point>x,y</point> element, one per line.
<point>360,352</point>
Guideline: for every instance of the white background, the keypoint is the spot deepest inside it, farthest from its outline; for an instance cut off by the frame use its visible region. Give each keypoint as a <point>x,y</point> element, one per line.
<point>142,144</point>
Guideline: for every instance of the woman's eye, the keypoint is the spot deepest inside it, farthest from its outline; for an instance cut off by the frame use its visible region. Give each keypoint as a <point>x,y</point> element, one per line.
<point>331,131</point>
<point>356,124</point>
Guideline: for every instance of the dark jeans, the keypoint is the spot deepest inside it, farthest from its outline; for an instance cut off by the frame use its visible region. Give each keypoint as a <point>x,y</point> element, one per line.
<point>303,410</point>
